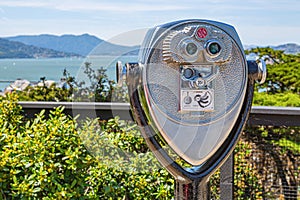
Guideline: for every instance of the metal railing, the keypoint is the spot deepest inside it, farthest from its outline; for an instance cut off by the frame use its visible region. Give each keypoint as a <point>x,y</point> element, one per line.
<point>259,115</point>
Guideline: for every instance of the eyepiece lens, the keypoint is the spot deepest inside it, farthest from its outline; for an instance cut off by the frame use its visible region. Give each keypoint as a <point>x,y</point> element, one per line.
<point>214,48</point>
<point>191,48</point>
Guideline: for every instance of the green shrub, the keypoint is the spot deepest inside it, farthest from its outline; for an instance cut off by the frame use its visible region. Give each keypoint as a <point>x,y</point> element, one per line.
<point>40,93</point>
<point>46,158</point>
<point>277,99</point>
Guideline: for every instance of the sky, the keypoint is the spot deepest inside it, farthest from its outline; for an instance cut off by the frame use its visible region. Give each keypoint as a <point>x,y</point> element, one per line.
<point>258,22</point>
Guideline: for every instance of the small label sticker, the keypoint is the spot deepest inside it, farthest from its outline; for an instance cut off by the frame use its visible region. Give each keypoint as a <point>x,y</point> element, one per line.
<point>197,100</point>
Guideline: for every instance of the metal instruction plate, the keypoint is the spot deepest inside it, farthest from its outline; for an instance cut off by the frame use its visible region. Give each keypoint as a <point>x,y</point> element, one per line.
<point>197,100</point>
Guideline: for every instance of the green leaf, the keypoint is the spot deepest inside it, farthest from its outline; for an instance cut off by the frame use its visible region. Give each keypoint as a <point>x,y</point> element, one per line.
<point>35,190</point>
<point>73,183</point>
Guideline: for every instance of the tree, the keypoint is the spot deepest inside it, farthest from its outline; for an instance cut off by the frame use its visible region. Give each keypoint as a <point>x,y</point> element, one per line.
<point>283,70</point>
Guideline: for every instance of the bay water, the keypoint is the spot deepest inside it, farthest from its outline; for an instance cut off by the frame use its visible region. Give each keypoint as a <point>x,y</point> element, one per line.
<point>52,68</point>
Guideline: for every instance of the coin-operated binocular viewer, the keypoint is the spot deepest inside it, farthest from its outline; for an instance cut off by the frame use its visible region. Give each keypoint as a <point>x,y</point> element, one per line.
<point>191,93</point>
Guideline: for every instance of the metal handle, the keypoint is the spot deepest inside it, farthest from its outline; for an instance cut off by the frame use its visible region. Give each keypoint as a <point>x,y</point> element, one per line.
<point>119,73</point>
<point>262,71</point>
<point>257,70</point>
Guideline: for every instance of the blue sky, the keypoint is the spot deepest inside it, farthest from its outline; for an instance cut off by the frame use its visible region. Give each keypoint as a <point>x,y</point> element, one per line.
<point>259,22</point>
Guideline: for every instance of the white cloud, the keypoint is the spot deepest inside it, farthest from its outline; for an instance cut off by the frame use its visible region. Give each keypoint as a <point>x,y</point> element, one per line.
<point>120,8</point>
<point>158,5</point>
<point>91,5</point>
<point>106,17</point>
<point>29,3</point>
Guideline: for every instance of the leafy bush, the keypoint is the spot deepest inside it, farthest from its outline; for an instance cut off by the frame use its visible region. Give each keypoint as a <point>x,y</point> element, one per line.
<point>46,158</point>
<point>43,93</point>
<point>277,99</point>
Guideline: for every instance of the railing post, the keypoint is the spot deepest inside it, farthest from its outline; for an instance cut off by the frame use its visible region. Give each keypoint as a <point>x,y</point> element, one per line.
<point>195,190</point>
<point>227,179</point>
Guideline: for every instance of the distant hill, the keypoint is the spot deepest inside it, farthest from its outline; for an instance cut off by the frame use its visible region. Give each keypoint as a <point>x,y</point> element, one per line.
<point>12,49</point>
<point>91,45</point>
<point>81,44</point>
<point>290,48</point>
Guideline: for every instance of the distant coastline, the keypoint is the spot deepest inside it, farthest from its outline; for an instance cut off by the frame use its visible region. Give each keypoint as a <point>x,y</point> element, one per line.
<point>32,69</point>
<point>12,49</point>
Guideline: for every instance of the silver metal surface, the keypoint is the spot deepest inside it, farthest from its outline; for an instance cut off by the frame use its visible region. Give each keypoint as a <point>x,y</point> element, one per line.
<point>262,71</point>
<point>194,133</point>
<point>119,73</point>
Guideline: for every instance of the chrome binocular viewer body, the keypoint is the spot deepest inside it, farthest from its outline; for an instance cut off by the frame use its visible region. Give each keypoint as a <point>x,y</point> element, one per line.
<point>191,91</point>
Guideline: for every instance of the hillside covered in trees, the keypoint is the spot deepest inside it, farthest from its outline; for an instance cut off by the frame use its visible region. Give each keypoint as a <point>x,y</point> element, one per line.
<point>83,45</point>
<point>12,49</point>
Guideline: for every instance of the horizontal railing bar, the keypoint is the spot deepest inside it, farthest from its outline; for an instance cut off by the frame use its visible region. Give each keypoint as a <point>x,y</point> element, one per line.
<point>274,116</point>
<point>259,115</point>
<point>268,110</point>
<point>75,105</point>
<point>274,110</point>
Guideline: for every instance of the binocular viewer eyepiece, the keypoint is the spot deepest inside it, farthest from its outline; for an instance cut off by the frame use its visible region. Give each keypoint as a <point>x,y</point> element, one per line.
<point>191,91</point>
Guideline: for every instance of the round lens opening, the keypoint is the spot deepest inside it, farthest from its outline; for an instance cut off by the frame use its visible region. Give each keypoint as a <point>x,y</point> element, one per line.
<point>191,48</point>
<point>214,48</point>
<point>188,73</point>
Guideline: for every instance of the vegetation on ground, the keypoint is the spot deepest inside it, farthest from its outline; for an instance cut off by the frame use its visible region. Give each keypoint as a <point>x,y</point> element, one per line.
<point>53,158</point>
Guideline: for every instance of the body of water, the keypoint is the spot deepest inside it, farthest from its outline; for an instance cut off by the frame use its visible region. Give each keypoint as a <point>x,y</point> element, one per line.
<point>52,68</point>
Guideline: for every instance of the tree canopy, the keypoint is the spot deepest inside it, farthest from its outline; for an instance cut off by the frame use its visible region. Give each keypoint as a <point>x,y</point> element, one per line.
<point>282,87</point>
<point>283,70</point>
